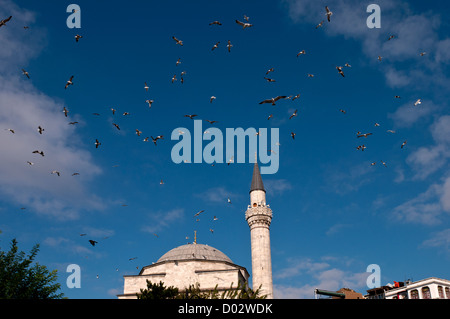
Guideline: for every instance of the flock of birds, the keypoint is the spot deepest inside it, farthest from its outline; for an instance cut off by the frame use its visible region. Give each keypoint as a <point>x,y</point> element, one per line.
<point>271,101</point>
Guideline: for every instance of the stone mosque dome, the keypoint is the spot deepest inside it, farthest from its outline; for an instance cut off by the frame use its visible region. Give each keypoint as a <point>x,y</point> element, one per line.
<point>193,252</point>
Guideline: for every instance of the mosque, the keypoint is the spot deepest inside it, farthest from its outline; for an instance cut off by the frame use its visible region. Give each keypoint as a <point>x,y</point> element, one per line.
<point>209,267</point>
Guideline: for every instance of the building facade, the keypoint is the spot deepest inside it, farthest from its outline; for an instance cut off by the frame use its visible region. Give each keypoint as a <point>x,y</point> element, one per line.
<point>187,265</point>
<point>429,288</point>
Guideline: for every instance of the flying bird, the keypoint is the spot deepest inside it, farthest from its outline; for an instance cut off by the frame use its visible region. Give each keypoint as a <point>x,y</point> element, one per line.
<point>244,24</point>
<point>146,87</point>
<point>301,52</point>
<point>215,23</point>
<point>215,46</point>
<point>69,82</point>
<point>273,100</point>
<point>293,135</point>
<point>73,123</point>
<point>198,213</point>
<point>174,78</point>
<point>363,135</point>
<point>229,46</point>
<point>65,111</point>
<point>361,147</point>
<point>157,138</point>
<point>339,68</point>
<point>38,152</point>
<point>138,133</point>
<point>211,122</point>
<point>212,98</point>
<point>3,22</point>
<point>56,172</point>
<point>116,126</point>
<point>191,116</point>
<point>269,79</point>
<point>149,103</point>
<point>320,24</point>
<point>25,73</point>
<point>177,41</point>
<point>328,14</point>
<point>40,129</point>
<point>92,242</point>
<point>78,37</point>
<point>403,144</point>
<point>269,70</point>
<point>97,143</point>
<point>10,129</point>
<point>293,114</point>
<point>419,101</point>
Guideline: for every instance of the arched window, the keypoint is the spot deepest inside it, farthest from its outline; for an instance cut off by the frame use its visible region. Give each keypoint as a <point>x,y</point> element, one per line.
<point>447,292</point>
<point>426,294</point>
<point>414,294</point>
<point>441,292</point>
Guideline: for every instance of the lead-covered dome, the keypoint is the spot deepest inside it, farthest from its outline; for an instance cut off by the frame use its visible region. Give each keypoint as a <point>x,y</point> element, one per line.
<point>194,251</point>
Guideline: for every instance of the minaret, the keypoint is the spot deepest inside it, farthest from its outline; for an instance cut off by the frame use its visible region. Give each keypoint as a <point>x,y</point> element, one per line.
<point>259,216</point>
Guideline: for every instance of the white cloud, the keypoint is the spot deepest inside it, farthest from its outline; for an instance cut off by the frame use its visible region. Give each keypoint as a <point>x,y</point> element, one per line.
<point>414,33</point>
<point>440,240</point>
<point>162,220</point>
<point>428,208</point>
<point>23,108</point>
<point>408,114</point>
<point>316,274</point>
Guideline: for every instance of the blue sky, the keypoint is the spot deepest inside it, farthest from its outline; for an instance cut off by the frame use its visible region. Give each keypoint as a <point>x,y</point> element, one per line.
<point>334,212</point>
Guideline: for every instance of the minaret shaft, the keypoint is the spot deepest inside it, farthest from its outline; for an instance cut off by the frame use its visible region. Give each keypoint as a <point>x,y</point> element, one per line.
<point>259,217</point>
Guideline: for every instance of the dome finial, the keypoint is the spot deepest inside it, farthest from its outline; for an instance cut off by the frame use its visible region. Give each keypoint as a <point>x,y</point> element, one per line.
<point>195,236</point>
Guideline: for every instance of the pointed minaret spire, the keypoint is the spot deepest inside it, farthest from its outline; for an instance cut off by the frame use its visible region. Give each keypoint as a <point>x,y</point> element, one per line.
<point>257,183</point>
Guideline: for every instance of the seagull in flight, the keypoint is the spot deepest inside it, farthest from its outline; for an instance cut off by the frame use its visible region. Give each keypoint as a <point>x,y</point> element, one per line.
<point>78,37</point>
<point>403,144</point>
<point>146,87</point>
<point>320,24</point>
<point>363,135</point>
<point>177,41</point>
<point>328,14</point>
<point>191,116</point>
<point>25,73</point>
<point>301,52</point>
<point>215,23</point>
<point>97,143</point>
<point>293,114</point>
<point>229,46</point>
<point>419,101</point>
<point>198,213</point>
<point>39,152</point>
<point>69,82</point>
<point>244,24</point>
<point>339,68</point>
<point>157,138</point>
<point>211,99</point>
<point>215,46</point>
<point>3,22</point>
<point>273,100</point>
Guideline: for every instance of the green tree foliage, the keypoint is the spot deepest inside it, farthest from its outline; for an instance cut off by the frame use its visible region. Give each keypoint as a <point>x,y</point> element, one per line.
<point>21,279</point>
<point>159,291</point>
